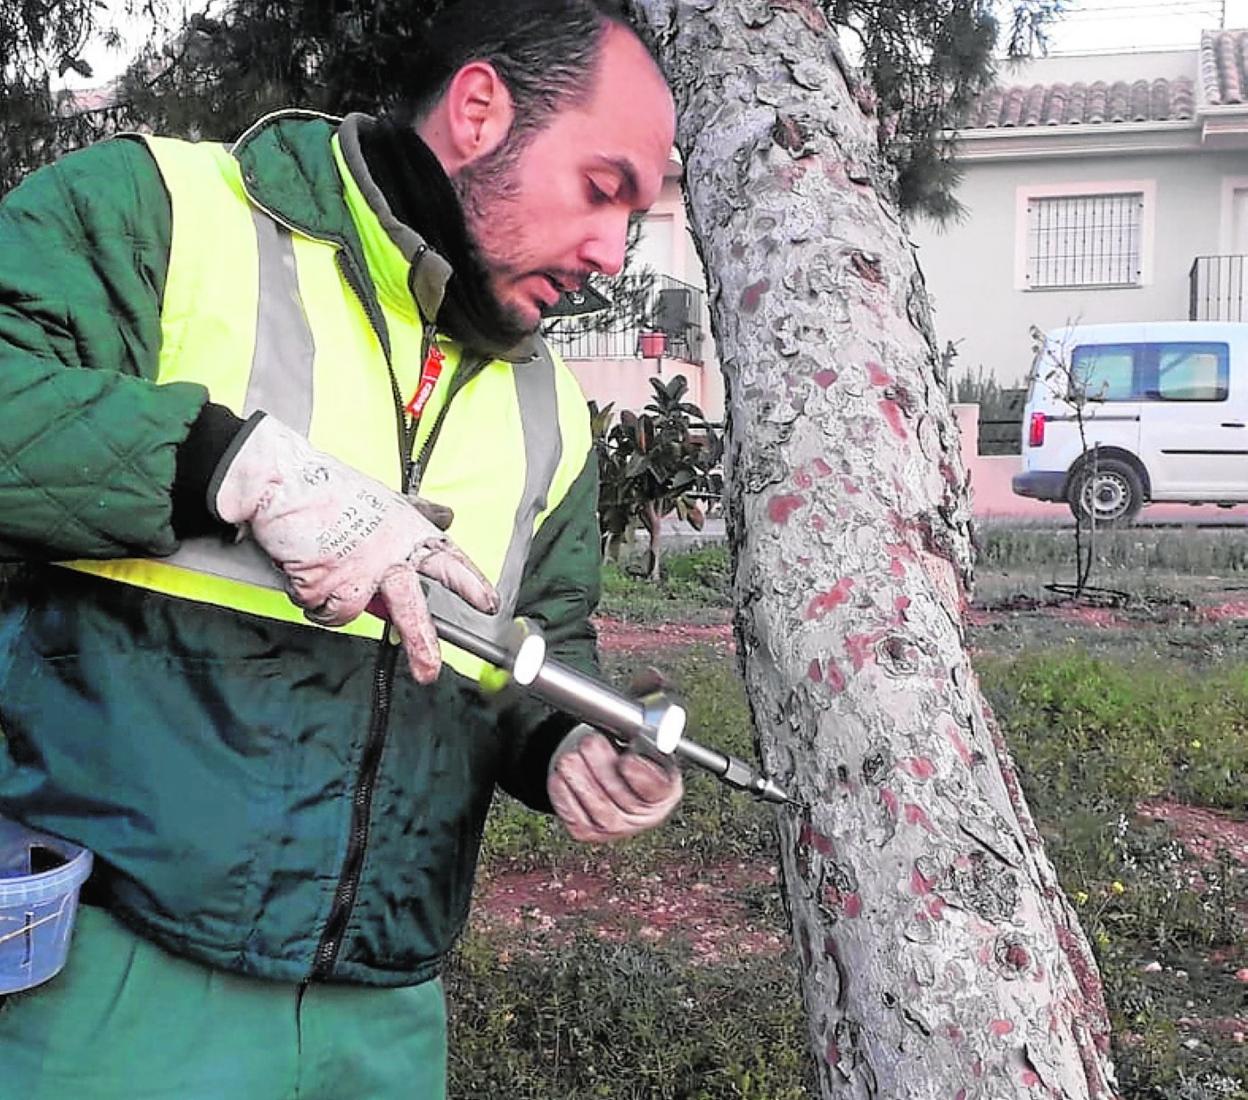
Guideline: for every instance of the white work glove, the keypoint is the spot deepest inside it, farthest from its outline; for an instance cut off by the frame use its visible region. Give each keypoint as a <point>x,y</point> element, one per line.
<point>601,793</point>
<point>342,538</point>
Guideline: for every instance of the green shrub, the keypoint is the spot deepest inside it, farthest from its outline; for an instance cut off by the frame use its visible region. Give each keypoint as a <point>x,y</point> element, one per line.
<point>660,462</point>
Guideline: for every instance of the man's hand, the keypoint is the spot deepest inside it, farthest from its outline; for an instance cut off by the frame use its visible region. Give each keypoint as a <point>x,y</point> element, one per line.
<point>342,538</point>
<point>602,794</point>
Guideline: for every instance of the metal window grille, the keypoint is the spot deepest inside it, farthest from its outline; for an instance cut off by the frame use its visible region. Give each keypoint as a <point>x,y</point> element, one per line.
<point>1084,240</point>
<point>1218,289</point>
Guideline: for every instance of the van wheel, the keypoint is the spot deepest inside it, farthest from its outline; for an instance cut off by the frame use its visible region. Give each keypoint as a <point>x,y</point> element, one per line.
<point>1113,495</point>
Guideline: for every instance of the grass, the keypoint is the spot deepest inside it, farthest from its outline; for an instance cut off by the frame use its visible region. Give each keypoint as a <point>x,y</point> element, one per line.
<point>694,587</point>
<point>593,1019</point>
<point>1097,720</point>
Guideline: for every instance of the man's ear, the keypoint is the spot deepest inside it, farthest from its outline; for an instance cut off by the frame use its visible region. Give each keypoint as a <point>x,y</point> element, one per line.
<point>473,117</point>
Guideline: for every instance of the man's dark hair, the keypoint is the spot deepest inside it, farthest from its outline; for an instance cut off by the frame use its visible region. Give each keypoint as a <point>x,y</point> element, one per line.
<point>546,52</point>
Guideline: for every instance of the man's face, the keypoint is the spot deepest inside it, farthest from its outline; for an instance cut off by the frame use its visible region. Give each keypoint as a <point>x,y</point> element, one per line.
<point>558,212</point>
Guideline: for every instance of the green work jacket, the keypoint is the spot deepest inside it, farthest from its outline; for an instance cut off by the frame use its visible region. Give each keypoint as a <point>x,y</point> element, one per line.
<point>261,794</point>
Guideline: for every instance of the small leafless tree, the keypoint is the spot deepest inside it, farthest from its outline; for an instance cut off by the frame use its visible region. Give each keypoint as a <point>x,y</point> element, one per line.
<point>1054,370</point>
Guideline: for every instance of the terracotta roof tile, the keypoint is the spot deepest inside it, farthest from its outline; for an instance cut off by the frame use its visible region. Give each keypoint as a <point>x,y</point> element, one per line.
<point>1082,103</point>
<point>1224,66</point>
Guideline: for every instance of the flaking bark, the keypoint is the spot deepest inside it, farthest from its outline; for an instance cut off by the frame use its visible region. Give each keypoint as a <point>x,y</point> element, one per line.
<point>939,956</point>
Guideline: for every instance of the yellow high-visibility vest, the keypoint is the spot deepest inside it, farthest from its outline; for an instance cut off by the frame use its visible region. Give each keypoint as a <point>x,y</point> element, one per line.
<point>262,314</point>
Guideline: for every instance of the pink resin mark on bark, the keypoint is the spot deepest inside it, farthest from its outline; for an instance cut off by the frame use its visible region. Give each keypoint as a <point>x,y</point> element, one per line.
<point>825,378</point>
<point>812,838</point>
<point>916,815</point>
<point>859,647</point>
<point>835,678</point>
<point>893,414</point>
<point>878,376</point>
<point>955,739</point>
<point>781,506</point>
<point>752,295</point>
<point>920,767</point>
<point>826,601</point>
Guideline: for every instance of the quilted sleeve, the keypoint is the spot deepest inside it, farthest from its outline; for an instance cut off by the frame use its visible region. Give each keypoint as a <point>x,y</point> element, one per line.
<point>88,441</point>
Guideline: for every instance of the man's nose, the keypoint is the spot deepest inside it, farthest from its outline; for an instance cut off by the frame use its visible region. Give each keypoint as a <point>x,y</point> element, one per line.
<point>604,248</point>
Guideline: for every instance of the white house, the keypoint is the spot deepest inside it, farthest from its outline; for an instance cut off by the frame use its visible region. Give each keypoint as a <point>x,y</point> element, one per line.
<point>1108,187</point>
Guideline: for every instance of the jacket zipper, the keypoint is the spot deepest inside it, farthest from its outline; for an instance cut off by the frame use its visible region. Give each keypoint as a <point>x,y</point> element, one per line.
<point>466,373</point>
<point>383,677</point>
<point>348,886</point>
<point>361,811</point>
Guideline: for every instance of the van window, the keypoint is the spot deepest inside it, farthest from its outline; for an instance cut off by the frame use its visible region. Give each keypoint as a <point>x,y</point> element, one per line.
<point>1104,372</point>
<point>1162,371</point>
<point>1190,372</point>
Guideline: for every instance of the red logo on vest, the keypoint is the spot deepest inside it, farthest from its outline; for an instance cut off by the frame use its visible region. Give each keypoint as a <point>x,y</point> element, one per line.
<point>429,375</point>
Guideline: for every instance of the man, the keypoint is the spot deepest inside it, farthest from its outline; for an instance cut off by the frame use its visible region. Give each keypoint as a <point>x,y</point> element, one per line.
<point>225,372</point>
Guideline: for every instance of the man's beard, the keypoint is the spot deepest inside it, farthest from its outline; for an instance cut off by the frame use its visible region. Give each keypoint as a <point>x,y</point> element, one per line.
<point>486,190</point>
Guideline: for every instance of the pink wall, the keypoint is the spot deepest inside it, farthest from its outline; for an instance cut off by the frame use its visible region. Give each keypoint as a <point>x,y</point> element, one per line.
<point>993,498</point>
<point>627,381</point>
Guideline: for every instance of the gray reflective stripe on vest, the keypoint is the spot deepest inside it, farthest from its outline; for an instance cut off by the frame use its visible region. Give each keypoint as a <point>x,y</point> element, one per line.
<point>281,365</point>
<point>538,401</point>
<point>280,383</point>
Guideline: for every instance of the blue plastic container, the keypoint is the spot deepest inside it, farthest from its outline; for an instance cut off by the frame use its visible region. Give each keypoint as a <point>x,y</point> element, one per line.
<point>40,876</point>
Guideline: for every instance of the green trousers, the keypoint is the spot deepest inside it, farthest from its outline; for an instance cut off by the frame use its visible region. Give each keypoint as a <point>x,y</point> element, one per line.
<point>126,1020</point>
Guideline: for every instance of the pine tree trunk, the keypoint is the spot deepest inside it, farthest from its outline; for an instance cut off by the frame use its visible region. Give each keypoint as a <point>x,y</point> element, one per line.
<point>939,956</point>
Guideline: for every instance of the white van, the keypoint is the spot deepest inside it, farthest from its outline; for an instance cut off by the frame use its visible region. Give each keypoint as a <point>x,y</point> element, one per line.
<point>1164,411</point>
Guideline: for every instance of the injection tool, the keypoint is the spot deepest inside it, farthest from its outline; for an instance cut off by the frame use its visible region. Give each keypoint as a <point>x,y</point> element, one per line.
<point>654,723</point>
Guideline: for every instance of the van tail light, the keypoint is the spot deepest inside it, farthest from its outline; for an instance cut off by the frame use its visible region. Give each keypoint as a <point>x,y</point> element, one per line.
<point>1035,433</point>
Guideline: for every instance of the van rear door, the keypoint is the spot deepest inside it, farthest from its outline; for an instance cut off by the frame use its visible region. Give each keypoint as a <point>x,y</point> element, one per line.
<point>1193,422</point>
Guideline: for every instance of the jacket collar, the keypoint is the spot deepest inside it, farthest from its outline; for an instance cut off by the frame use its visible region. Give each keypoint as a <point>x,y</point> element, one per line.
<point>290,171</point>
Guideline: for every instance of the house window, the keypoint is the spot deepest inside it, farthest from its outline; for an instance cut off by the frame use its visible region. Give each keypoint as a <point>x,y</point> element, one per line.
<point>1085,240</point>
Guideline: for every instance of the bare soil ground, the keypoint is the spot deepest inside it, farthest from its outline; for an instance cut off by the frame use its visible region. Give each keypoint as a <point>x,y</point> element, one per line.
<point>702,906</point>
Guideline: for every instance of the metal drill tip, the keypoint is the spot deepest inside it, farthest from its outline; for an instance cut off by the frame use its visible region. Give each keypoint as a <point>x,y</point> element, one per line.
<point>770,791</point>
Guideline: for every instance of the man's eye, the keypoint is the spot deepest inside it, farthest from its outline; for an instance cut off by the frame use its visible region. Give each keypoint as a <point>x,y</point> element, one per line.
<point>597,195</point>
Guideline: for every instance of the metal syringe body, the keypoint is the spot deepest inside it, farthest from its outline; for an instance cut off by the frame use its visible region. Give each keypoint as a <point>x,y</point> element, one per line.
<point>660,725</point>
